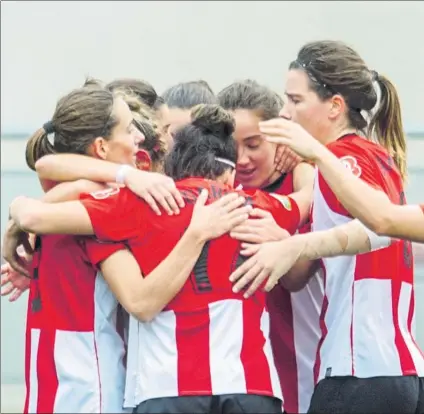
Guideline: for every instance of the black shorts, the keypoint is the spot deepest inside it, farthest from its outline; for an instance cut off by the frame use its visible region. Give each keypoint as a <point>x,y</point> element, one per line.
<point>216,404</point>
<point>383,395</point>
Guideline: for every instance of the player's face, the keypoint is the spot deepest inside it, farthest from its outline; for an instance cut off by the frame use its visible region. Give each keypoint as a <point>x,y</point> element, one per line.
<point>122,145</point>
<point>255,158</point>
<point>163,116</point>
<point>305,107</point>
<point>177,118</point>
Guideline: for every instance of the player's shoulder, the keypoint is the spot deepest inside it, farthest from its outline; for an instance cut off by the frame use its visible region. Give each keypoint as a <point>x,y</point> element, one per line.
<point>355,151</point>
<point>353,144</point>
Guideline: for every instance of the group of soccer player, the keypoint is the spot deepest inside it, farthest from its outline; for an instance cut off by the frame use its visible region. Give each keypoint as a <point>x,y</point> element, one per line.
<point>229,253</point>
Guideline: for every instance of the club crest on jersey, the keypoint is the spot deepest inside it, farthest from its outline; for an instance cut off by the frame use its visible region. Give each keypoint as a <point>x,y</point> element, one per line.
<point>352,165</point>
<point>102,194</point>
<point>285,201</point>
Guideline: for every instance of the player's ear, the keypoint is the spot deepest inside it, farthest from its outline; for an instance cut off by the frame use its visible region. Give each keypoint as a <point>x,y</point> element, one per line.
<point>143,160</point>
<point>99,148</point>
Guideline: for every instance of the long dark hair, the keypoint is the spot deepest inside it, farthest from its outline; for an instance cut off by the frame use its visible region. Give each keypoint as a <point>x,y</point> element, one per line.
<point>198,144</point>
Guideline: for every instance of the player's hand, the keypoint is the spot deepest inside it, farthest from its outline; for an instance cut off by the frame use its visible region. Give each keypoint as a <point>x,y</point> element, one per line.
<point>214,220</point>
<point>285,132</point>
<point>268,263</point>
<point>285,159</point>
<point>13,284</point>
<point>259,228</point>
<point>156,190</point>
<point>13,238</point>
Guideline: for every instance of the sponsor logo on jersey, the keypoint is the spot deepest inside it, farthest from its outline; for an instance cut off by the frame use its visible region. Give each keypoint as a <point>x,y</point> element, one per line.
<point>285,201</point>
<point>351,164</point>
<point>102,194</point>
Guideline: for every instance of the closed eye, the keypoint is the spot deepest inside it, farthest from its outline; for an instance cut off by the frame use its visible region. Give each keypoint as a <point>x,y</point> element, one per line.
<point>293,98</point>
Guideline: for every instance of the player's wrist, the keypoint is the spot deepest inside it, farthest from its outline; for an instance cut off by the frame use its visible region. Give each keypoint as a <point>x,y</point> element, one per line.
<point>196,235</point>
<point>123,174</point>
<point>300,246</point>
<point>282,234</point>
<point>319,154</point>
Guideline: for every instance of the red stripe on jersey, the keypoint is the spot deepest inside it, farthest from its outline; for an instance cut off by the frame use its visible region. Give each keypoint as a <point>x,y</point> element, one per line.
<point>257,374</point>
<point>27,362</point>
<point>282,339</point>
<point>323,327</point>
<point>405,358</point>
<point>48,381</point>
<point>410,319</point>
<point>193,357</point>
<point>411,313</point>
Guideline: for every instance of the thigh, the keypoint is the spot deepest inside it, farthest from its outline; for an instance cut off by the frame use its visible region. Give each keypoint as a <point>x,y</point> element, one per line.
<point>249,404</point>
<point>352,395</point>
<point>175,405</point>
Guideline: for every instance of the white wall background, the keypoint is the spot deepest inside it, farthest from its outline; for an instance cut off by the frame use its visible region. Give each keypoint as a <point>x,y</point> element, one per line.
<point>47,48</point>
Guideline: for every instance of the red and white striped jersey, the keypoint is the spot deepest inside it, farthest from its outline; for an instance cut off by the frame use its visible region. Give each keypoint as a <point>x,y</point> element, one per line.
<point>208,340</point>
<point>295,329</point>
<point>74,354</point>
<point>368,308</point>
<point>295,333</point>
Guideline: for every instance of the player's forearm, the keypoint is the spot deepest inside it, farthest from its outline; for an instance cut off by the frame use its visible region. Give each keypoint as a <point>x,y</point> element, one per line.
<point>360,200</point>
<point>167,279</point>
<point>71,167</point>
<point>345,240</point>
<point>404,222</point>
<point>35,216</point>
<point>19,211</point>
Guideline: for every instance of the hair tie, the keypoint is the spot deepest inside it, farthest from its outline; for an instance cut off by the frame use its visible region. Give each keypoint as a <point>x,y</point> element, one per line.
<point>225,161</point>
<point>312,75</point>
<point>48,127</point>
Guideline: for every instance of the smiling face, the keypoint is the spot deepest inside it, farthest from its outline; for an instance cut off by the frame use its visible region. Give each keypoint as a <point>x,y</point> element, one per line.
<point>255,161</point>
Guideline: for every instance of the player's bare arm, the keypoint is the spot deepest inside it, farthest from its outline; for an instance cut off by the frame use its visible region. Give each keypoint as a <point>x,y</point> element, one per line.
<point>146,297</point>
<point>271,261</point>
<point>369,205</point>
<point>35,216</point>
<point>156,189</point>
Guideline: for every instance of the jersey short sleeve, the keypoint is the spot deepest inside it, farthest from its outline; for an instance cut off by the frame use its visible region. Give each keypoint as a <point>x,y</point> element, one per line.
<point>115,214</point>
<point>363,159</point>
<point>284,209</point>
<point>98,251</point>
